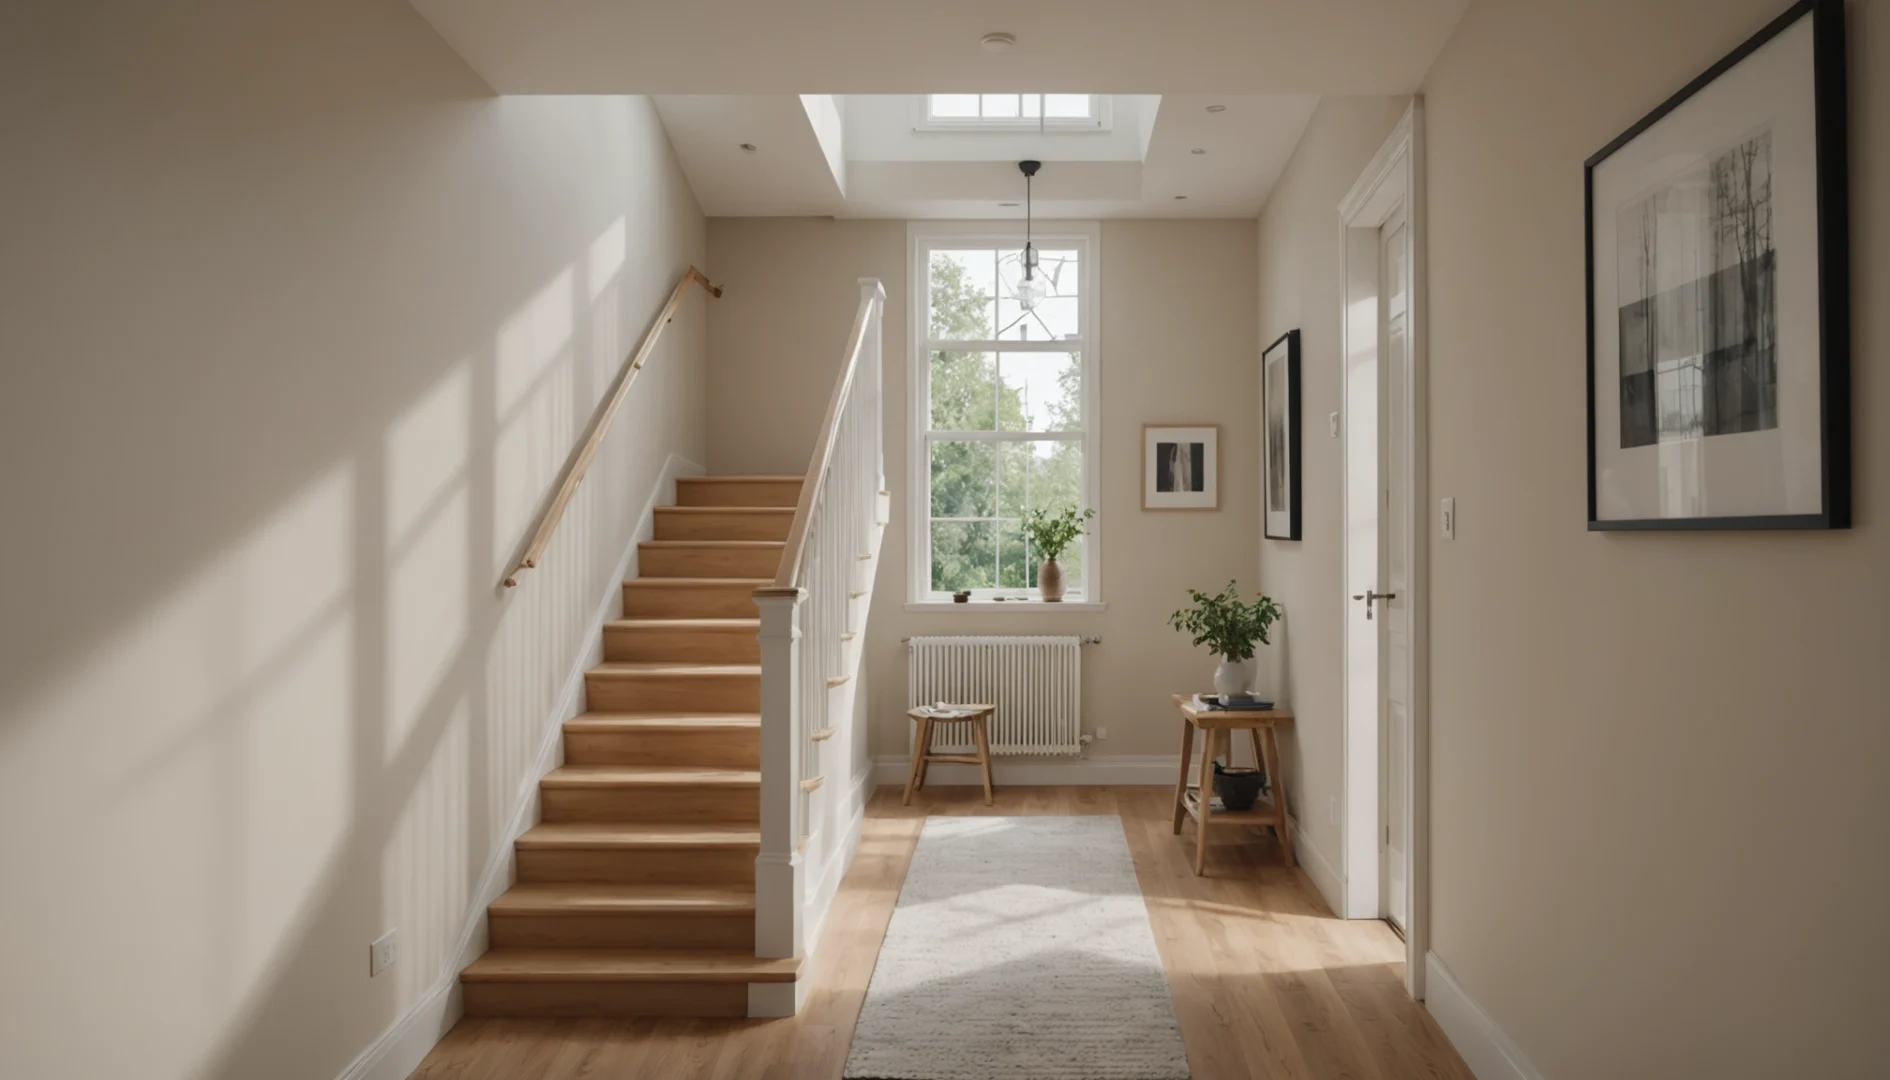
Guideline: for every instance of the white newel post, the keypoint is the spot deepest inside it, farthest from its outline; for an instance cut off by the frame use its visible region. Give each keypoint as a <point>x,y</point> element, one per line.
<point>871,290</point>
<point>778,893</point>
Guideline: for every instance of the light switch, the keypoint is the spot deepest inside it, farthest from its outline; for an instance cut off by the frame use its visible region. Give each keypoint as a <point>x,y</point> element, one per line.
<point>1449,519</point>
<point>1332,424</point>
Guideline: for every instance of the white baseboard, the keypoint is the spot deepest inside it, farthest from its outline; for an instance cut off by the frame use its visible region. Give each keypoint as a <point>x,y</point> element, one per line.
<point>1319,868</point>
<point>1118,770</point>
<point>1490,1053</point>
<point>401,1048</point>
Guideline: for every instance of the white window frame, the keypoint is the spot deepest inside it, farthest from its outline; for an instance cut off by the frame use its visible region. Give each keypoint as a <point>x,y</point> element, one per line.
<point>922,238</point>
<point>1101,118</point>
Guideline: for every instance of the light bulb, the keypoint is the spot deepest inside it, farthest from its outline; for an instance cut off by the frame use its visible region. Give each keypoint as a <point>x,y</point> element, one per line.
<point>1031,291</point>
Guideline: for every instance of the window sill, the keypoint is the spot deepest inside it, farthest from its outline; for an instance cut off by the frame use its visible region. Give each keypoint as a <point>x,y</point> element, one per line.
<point>1034,607</point>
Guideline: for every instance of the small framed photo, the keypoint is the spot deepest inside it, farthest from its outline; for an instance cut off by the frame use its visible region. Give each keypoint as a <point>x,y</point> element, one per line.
<point>1181,467</point>
<point>1719,296</point>
<point>1279,450</point>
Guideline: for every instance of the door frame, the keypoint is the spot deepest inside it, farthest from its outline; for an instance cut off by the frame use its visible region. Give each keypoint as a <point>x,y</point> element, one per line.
<point>1395,176</point>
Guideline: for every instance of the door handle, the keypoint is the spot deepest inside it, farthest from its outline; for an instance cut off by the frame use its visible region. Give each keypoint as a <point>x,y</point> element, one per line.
<point>1368,596</point>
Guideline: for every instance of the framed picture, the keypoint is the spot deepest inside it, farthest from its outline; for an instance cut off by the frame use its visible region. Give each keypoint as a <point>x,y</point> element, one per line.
<point>1181,467</point>
<point>1719,296</point>
<point>1279,450</point>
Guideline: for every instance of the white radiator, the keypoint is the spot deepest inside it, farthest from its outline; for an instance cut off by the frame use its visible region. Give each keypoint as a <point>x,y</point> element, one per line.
<point>1035,682</point>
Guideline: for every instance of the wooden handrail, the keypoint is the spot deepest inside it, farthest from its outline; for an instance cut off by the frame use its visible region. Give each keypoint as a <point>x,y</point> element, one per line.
<point>554,513</point>
<point>788,578</point>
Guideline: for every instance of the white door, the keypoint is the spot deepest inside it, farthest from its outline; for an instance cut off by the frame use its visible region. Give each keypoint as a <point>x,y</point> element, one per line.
<point>1393,611</point>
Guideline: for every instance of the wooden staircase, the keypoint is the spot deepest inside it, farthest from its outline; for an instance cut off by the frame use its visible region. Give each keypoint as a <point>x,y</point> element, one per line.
<point>636,894</point>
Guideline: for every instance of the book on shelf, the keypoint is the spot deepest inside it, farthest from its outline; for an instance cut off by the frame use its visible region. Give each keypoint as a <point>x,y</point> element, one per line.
<point>1212,703</point>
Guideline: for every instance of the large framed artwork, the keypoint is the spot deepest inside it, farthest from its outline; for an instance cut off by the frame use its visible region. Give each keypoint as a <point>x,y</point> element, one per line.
<point>1719,296</point>
<point>1279,449</point>
<point>1181,467</point>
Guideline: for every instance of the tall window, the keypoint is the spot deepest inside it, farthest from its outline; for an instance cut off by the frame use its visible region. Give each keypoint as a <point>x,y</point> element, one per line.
<point>1003,411</point>
<point>982,112</point>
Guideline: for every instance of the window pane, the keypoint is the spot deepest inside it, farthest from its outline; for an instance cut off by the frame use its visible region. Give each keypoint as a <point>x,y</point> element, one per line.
<point>999,106</point>
<point>964,555</point>
<point>1046,474</point>
<point>1033,106</point>
<point>955,106</point>
<point>964,479</point>
<point>1037,475</point>
<point>1017,567</point>
<point>1040,392</point>
<point>964,391</point>
<point>1057,317</point>
<point>962,285</point>
<point>1068,106</point>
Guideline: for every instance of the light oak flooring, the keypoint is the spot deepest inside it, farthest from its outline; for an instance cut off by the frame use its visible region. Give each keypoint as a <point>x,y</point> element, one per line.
<point>1266,982</point>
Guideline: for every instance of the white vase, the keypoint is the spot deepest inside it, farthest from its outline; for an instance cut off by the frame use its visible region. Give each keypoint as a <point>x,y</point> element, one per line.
<point>1233,676</point>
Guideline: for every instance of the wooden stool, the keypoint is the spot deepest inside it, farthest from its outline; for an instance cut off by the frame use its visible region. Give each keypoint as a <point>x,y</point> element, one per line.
<point>923,756</point>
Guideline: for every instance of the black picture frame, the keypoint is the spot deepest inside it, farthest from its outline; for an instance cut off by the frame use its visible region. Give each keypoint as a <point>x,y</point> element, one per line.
<point>1831,155</point>
<point>1289,448</point>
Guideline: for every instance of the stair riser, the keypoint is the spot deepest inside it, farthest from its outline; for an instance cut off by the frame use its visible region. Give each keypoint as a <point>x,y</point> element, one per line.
<point>732,525</point>
<point>737,748</point>
<point>673,693</point>
<point>714,866</point>
<point>693,646</point>
<point>654,804</point>
<point>624,931</point>
<point>690,492</point>
<point>570,1000</point>
<point>708,562</point>
<point>691,602</point>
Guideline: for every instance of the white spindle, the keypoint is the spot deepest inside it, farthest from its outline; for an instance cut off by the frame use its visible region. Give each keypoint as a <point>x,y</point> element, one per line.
<point>804,614</point>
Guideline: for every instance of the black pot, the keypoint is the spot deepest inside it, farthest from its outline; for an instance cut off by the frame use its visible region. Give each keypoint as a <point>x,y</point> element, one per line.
<point>1238,788</point>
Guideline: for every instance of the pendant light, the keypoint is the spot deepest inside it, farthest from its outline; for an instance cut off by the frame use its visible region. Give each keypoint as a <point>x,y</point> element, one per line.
<point>1032,289</point>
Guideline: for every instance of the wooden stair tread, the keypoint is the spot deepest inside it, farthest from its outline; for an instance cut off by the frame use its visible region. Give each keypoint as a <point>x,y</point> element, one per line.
<point>560,898</point>
<point>627,722</point>
<point>634,668</point>
<point>628,965</point>
<point>580,776</point>
<point>693,582</point>
<point>604,835</point>
<point>710,511</point>
<point>659,624</point>
<point>747,545</point>
<point>757,479</point>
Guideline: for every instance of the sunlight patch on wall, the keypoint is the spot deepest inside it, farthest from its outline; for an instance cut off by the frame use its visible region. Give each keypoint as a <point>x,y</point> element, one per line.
<point>607,255</point>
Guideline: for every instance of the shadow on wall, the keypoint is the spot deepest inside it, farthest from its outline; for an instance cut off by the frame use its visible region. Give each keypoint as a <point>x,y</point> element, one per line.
<point>343,316</point>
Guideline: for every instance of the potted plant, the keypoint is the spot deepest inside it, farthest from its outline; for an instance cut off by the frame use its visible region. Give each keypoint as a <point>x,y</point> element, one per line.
<point>1052,535</point>
<point>1231,628</point>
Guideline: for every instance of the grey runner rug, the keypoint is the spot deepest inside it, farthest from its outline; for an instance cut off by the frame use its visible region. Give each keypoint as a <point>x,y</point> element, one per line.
<point>1020,949</point>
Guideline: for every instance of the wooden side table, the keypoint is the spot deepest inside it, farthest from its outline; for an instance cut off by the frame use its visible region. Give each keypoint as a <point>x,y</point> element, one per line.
<point>923,756</point>
<point>1217,727</point>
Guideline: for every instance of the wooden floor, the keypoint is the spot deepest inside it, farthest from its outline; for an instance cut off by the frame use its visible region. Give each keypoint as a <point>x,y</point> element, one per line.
<point>1266,982</point>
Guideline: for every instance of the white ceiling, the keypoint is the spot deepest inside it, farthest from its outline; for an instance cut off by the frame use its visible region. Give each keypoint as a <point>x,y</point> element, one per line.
<point>909,47</point>
<point>883,168</point>
<point>820,88</point>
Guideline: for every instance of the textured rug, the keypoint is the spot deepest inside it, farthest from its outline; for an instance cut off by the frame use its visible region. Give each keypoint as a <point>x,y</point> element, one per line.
<point>1020,949</point>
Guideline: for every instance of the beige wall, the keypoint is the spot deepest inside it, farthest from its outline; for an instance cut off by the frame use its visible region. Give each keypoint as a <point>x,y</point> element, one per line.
<point>1300,289</point>
<point>1658,761</point>
<point>1178,345</point>
<point>1661,824</point>
<point>300,324</point>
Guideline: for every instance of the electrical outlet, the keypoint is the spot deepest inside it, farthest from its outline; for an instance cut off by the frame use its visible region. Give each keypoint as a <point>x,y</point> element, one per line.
<point>1332,424</point>
<point>384,953</point>
<point>1102,733</point>
<point>1449,519</point>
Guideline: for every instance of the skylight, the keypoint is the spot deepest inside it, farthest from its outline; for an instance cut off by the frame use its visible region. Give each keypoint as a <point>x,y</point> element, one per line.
<point>1011,112</point>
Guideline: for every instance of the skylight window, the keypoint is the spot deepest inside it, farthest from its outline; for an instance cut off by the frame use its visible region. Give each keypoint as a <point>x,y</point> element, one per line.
<point>1014,112</point>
